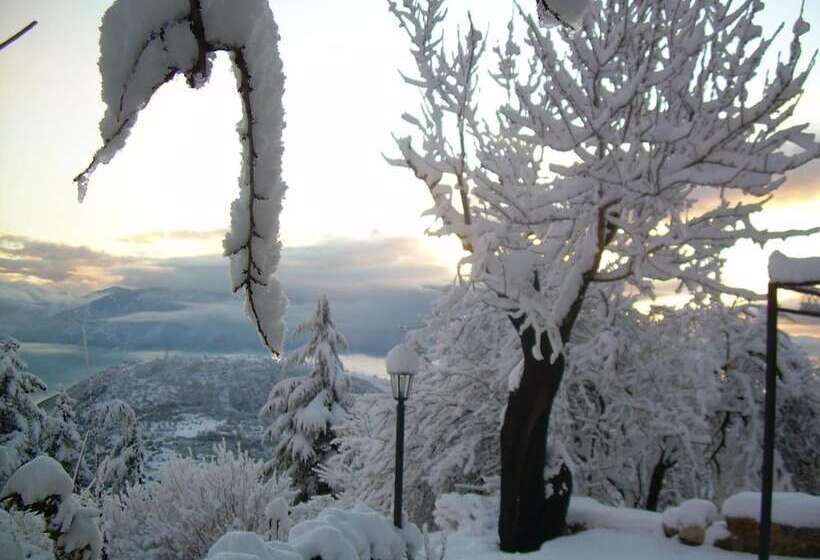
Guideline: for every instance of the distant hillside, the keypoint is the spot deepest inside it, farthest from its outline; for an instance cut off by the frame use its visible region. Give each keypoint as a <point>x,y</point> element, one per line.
<point>189,404</point>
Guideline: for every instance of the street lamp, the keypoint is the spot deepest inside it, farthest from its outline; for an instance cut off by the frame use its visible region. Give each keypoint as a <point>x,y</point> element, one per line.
<point>402,365</point>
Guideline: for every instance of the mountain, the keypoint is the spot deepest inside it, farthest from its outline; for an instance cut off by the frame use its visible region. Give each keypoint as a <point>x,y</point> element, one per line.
<point>186,405</point>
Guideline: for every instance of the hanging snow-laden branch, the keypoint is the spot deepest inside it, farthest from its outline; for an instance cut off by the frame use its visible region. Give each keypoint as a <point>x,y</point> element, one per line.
<point>142,47</point>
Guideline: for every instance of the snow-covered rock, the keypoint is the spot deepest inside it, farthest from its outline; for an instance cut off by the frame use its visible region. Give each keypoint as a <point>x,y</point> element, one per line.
<point>793,270</point>
<point>795,523</point>
<point>788,508</point>
<point>689,521</point>
<point>37,480</point>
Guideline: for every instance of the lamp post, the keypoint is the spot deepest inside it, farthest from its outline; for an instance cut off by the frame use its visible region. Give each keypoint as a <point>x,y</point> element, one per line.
<point>402,365</point>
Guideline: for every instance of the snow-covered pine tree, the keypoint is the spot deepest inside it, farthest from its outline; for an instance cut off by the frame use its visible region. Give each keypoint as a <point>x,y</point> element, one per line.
<point>62,441</point>
<point>21,420</point>
<point>673,134</point>
<point>145,45</point>
<point>303,411</point>
<point>118,453</point>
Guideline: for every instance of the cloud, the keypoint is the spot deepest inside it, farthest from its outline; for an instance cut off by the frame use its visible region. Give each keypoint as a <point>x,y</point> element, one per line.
<point>375,287</point>
<point>39,262</point>
<point>150,237</point>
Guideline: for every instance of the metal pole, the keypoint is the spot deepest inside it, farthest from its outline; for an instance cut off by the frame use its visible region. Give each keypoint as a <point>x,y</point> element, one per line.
<point>768,434</point>
<point>397,491</point>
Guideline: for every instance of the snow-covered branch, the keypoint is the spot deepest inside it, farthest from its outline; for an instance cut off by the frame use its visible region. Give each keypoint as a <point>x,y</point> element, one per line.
<point>143,47</point>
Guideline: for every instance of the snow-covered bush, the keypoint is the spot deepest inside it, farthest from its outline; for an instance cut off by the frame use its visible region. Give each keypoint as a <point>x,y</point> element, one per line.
<point>145,45</point>
<point>190,505</point>
<point>244,545</point>
<point>42,486</point>
<point>304,411</point>
<point>356,534</point>
<point>21,420</point>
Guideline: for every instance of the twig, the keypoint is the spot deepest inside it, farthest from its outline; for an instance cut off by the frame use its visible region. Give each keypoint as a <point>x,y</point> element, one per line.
<point>17,35</point>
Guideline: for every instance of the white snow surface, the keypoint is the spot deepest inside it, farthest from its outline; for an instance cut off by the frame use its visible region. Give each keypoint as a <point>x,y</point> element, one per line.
<point>594,544</point>
<point>37,480</point>
<point>794,509</point>
<point>691,512</point>
<point>793,270</point>
<point>402,359</point>
<point>594,515</point>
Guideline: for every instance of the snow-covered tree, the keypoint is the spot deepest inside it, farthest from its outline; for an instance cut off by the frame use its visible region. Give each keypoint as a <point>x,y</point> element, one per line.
<point>191,504</point>
<point>62,441</point>
<point>142,47</point>
<point>303,411</point>
<point>21,420</point>
<point>672,135</point>
<point>451,432</point>
<point>117,452</point>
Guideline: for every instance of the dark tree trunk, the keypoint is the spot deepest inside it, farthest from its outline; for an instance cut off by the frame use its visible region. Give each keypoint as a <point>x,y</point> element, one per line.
<point>527,517</point>
<point>656,482</point>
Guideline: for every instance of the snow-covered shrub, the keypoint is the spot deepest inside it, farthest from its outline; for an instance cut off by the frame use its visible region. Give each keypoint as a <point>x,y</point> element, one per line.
<point>356,534</point>
<point>43,487</point>
<point>304,411</point>
<point>190,505</point>
<point>21,420</point>
<point>244,545</point>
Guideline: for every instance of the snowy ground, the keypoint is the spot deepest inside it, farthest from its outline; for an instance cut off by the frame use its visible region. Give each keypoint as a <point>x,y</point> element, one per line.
<point>593,544</point>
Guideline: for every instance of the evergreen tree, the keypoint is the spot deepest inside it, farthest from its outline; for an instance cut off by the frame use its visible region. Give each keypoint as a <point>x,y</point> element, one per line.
<point>21,420</point>
<point>62,441</point>
<point>118,454</point>
<point>305,410</point>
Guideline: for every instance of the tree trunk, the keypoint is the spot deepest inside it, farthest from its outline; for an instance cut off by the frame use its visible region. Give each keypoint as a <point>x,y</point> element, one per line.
<point>656,482</point>
<point>527,516</point>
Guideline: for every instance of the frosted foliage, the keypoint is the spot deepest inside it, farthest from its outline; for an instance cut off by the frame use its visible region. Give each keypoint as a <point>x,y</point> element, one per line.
<point>61,438</point>
<point>142,47</point>
<point>21,420</point>
<point>190,505</point>
<point>116,447</point>
<point>303,412</point>
<point>453,416</point>
<point>667,148</point>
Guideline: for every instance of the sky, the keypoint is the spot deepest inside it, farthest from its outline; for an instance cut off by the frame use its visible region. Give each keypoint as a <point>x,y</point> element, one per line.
<point>165,198</point>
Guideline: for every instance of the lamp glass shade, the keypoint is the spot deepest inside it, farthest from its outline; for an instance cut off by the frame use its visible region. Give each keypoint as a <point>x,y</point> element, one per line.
<point>401,383</point>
